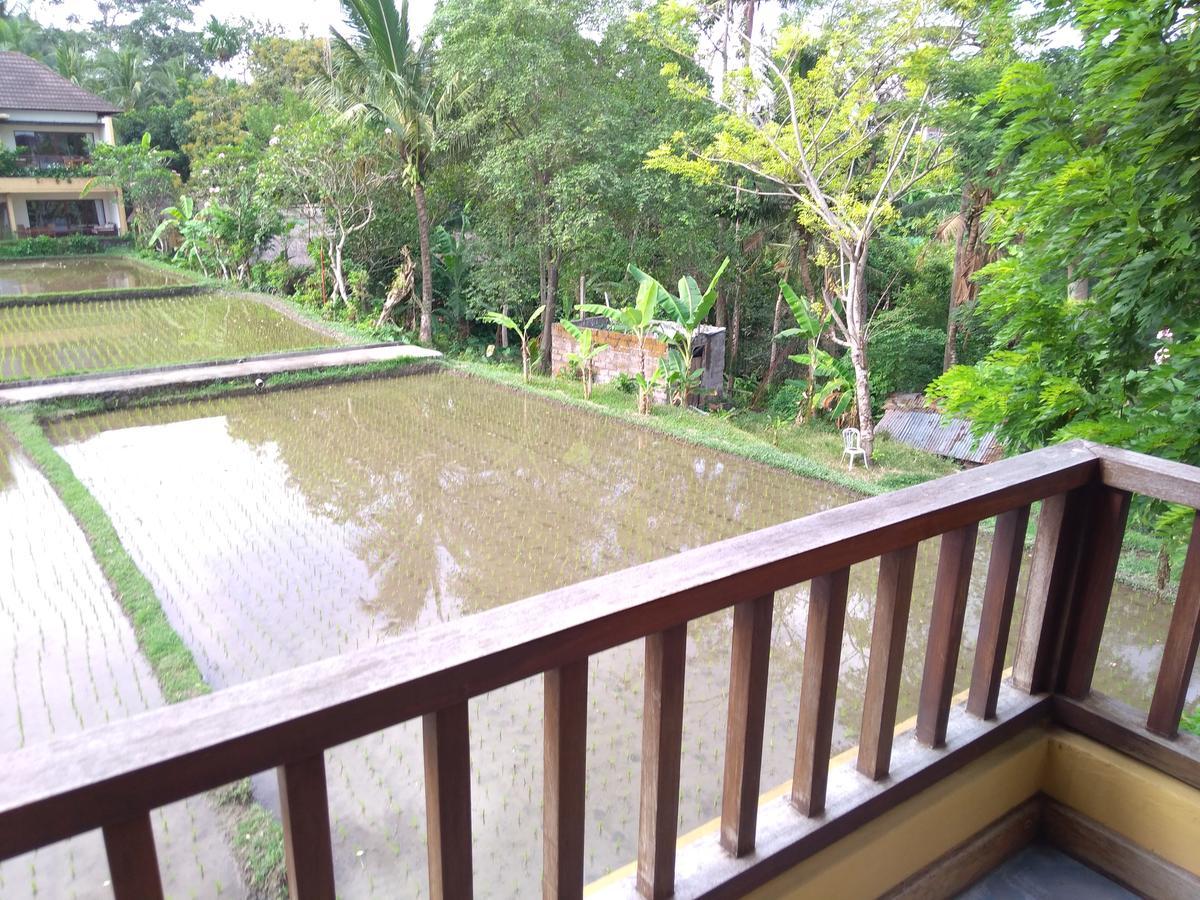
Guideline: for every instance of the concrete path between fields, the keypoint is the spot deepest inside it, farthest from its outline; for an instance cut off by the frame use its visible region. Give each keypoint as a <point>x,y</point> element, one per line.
<point>120,382</point>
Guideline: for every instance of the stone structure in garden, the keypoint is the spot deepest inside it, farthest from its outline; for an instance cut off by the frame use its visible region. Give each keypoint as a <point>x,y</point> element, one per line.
<point>622,355</point>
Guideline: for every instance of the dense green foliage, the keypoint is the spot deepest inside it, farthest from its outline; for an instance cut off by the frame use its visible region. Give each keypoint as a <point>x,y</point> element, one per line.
<point>1103,151</point>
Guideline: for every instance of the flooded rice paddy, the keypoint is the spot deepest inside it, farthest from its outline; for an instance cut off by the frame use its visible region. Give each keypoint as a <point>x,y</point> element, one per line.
<point>68,337</point>
<point>68,274</point>
<point>72,663</point>
<point>287,527</point>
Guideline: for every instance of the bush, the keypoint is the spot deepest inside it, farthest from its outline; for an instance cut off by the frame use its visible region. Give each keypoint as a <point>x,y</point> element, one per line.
<point>903,357</point>
<point>784,401</point>
<point>625,383</point>
<point>75,244</point>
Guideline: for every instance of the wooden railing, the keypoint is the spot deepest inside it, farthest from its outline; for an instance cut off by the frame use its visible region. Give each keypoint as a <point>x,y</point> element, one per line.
<point>114,776</point>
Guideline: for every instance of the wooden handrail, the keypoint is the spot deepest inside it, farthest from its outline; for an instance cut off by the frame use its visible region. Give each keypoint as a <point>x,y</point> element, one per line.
<point>113,776</point>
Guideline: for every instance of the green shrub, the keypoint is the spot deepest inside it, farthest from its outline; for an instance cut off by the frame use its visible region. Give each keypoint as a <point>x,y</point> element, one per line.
<point>903,357</point>
<point>42,245</point>
<point>625,383</point>
<point>784,401</point>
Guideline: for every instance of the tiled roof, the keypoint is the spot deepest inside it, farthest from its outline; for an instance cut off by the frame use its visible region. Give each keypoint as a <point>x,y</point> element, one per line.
<point>27,84</point>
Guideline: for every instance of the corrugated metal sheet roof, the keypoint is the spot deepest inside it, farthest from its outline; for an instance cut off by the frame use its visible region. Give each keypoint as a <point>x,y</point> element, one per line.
<point>925,430</point>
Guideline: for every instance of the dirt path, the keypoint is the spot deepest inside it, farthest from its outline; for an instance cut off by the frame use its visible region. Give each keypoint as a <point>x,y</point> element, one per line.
<point>198,374</point>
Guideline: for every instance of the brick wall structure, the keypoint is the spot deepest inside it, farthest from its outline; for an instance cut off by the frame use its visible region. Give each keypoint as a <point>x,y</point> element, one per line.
<point>622,355</point>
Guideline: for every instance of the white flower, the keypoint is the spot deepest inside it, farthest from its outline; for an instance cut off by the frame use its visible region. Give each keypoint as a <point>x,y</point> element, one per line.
<point>387,131</point>
<point>1165,334</point>
<point>220,156</point>
<point>1161,355</point>
<point>214,190</point>
<point>275,140</point>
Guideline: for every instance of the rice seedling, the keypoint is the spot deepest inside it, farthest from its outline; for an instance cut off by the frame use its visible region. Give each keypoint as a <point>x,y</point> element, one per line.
<point>40,341</point>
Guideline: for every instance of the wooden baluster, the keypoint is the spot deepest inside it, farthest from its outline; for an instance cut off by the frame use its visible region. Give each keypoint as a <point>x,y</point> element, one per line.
<point>1004,568</point>
<point>945,633</point>
<point>818,689</point>
<point>1179,654</point>
<point>1052,571</point>
<point>564,777</point>
<point>448,802</point>
<point>305,807</point>
<point>744,730</point>
<point>662,736</point>
<point>893,598</point>
<point>1093,590</point>
<point>132,860</point>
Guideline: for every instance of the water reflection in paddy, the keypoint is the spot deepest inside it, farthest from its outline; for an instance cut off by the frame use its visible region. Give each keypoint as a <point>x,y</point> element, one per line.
<point>72,663</point>
<point>82,273</point>
<point>283,528</point>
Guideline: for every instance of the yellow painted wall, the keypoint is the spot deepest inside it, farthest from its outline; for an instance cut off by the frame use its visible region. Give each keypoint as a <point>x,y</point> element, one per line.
<point>1151,809</point>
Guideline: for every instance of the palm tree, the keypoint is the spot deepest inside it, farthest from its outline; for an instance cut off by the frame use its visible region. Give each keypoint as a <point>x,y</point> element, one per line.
<point>379,74</point>
<point>221,41</point>
<point>124,75</point>
<point>70,59</point>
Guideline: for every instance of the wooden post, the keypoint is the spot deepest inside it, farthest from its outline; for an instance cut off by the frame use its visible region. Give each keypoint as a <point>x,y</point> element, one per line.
<point>1004,568</point>
<point>945,633</point>
<point>448,802</point>
<point>132,860</point>
<point>893,598</point>
<point>305,807</point>
<point>818,690</point>
<point>564,780</point>
<point>1179,654</point>
<point>1093,590</point>
<point>662,737</point>
<point>1052,573</point>
<point>744,730</point>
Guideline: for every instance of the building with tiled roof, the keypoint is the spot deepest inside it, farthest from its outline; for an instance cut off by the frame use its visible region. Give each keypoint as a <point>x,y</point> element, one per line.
<point>48,126</point>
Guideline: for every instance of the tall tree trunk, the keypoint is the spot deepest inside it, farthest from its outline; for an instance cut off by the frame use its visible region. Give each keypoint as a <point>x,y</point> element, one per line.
<point>549,317</point>
<point>971,254</point>
<point>337,269</point>
<point>426,332</point>
<point>732,335</point>
<point>776,353</point>
<point>856,327</point>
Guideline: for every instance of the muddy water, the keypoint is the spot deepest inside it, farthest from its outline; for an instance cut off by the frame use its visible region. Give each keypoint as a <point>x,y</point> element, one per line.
<point>81,273</point>
<point>66,337</point>
<point>283,528</point>
<point>71,663</point>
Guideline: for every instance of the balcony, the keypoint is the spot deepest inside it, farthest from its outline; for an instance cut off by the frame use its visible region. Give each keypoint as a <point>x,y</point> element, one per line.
<point>36,163</point>
<point>919,809</point>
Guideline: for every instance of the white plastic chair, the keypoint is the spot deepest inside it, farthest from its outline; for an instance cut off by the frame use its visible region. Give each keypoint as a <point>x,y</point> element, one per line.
<point>852,446</point>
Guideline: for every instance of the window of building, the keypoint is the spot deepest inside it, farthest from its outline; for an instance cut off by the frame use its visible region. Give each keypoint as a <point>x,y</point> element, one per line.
<point>48,148</point>
<point>64,215</point>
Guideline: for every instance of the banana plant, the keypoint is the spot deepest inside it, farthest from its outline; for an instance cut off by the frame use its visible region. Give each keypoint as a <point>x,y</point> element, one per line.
<point>193,229</point>
<point>585,353</point>
<point>810,324</point>
<point>687,313</point>
<point>638,320</point>
<point>522,331</point>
